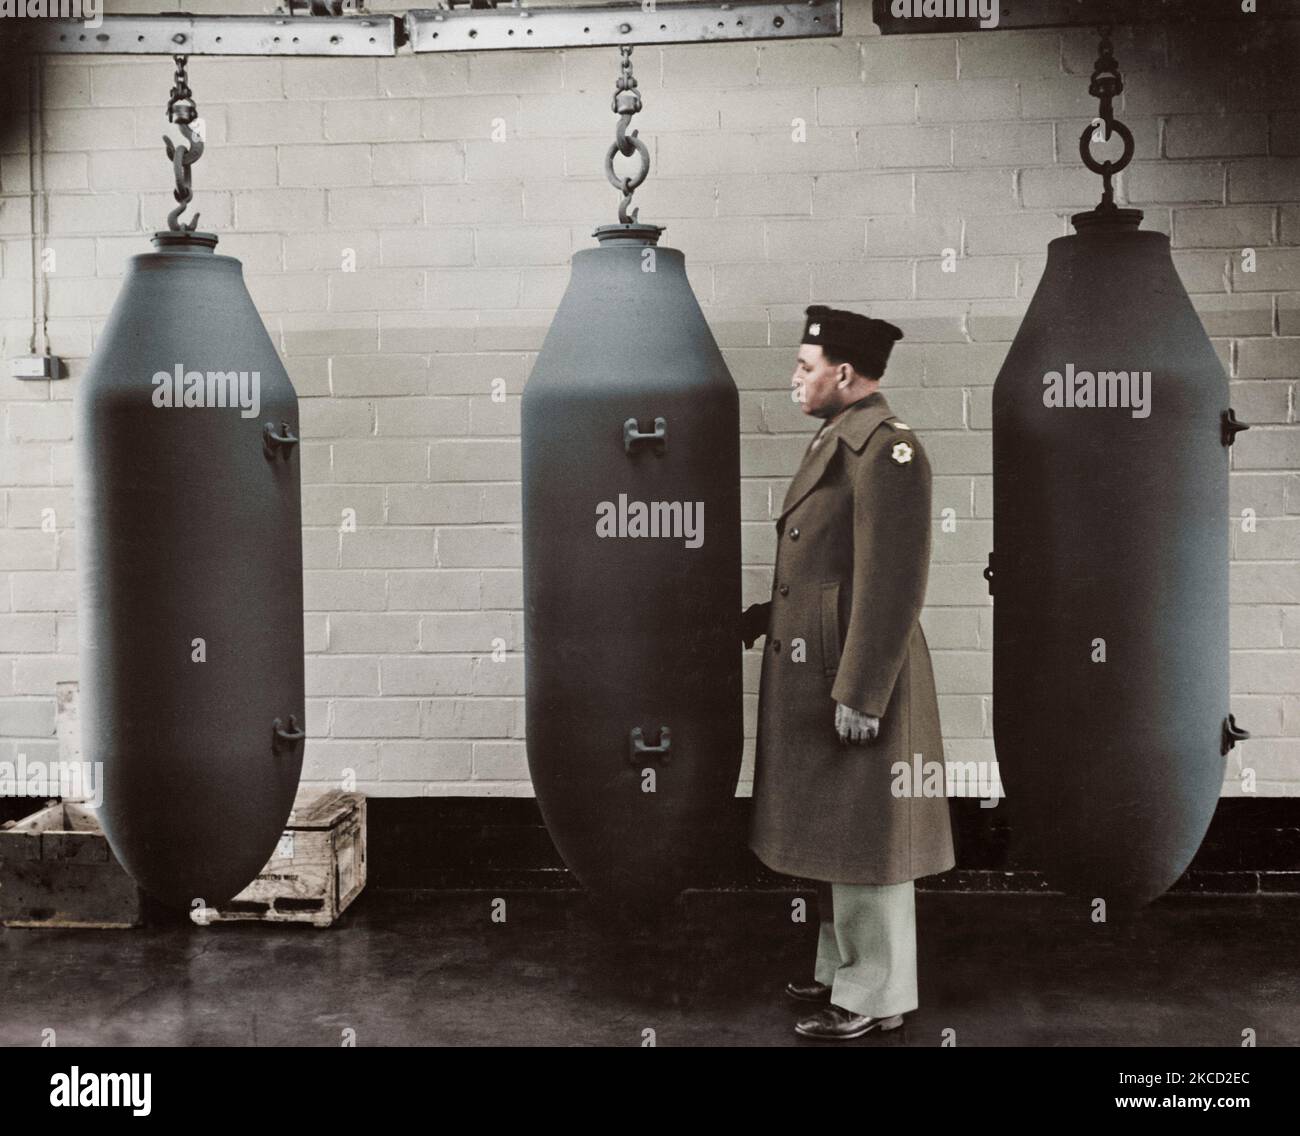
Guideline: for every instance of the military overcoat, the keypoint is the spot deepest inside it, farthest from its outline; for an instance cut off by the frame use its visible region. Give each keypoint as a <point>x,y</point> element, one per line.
<point>853,553</point>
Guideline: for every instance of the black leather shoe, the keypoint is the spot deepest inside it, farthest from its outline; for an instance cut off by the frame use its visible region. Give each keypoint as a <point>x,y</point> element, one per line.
<point>808,991</point>
<point>838,1024</point>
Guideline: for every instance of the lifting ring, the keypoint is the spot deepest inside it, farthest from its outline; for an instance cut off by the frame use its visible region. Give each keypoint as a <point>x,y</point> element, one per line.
<point>1107,168</point>
<point>628,184</point>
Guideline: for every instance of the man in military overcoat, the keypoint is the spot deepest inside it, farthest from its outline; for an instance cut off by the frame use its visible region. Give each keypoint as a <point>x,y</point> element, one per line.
<point>847,698</point>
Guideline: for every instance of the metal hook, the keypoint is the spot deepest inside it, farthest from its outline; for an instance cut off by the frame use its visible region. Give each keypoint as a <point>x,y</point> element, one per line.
<point>626,103</point>
<point>1106,84</point>
<point>182,158</point>
<point>182,110</point>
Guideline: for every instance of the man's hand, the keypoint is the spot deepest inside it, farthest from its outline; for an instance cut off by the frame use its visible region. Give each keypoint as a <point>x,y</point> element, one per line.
<point>753,622</point>
<point>854,726</point>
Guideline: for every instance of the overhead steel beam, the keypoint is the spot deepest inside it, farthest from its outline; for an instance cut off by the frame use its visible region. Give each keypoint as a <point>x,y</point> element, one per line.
<point>442,30</point>
<point>181,34</point>
<point>491,29</point>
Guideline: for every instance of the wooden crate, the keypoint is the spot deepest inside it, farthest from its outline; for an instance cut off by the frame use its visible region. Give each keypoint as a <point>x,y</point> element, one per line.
<point>318,869</point>
<point>57,870</point>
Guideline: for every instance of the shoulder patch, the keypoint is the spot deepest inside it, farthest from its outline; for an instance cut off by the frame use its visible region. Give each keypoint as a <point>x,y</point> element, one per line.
<point>901,453</point>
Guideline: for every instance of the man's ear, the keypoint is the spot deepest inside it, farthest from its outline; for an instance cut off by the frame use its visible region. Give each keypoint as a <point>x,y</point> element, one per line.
<point>845,375</point>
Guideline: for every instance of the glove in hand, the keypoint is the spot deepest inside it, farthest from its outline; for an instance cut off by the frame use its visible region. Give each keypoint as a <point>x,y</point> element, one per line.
<point>854,726</point>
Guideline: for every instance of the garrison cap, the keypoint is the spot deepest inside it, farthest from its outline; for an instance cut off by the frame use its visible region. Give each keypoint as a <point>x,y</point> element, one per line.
<point>863,341</point>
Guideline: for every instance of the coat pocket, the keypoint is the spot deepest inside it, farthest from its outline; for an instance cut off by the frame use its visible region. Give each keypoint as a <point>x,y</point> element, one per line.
<point>830,611</point>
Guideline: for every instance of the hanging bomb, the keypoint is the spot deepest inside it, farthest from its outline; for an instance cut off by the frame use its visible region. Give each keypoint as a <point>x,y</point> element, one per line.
<point>631,526</point>
<point>1109,570</point>
<point>190,557</point>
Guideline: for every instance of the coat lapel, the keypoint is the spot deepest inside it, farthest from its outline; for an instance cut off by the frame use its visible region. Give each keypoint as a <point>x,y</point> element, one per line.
<point>855,427</point>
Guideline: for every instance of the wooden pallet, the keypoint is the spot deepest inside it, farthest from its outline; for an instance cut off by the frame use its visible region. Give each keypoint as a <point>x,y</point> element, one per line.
<point>317,870</point>
<point>57,870</point>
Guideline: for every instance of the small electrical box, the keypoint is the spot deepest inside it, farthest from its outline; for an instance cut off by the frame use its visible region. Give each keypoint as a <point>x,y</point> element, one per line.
<point>35,367</point>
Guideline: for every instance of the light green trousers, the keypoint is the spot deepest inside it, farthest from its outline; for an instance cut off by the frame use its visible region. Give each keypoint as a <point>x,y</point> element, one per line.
<point>866,952</point>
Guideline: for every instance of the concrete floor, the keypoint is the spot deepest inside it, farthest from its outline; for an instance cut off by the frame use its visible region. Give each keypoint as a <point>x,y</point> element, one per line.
<point>431,968</point>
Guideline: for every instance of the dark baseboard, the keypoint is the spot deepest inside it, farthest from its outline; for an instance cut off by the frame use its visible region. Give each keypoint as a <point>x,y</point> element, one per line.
<point>485,843</point>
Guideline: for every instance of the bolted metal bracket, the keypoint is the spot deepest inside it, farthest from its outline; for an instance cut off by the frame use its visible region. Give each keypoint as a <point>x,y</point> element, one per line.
<point>319,7</point>
<point>181,34</point>
<point>593,25</point>
<point>332,28</point>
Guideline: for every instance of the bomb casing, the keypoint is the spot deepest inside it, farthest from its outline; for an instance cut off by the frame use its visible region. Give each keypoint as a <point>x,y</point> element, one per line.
<point>1109,570</point>
<point>631,527</point>
<point>190,565</point>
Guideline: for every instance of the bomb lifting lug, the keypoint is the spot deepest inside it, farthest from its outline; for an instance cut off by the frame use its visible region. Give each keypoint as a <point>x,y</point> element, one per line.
<point>632,435</point>
<point>278,445</point>
<point>1232,426</point>
<point>283,740</point>
<point>638,751</point>
<point>1232,733</point>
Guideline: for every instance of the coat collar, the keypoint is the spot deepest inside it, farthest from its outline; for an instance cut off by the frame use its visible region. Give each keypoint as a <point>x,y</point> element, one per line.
<point>853,427</point>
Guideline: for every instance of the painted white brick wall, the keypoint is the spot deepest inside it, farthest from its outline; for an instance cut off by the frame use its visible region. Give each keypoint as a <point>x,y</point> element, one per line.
<point>461,245</point>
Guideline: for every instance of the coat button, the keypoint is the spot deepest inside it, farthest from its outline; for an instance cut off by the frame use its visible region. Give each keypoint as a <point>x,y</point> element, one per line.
<point>776,645</point>
<point>784,589</point>
<point>794,534</point>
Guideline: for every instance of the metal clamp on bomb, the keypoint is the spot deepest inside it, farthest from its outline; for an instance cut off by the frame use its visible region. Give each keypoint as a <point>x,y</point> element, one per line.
<point>632,434</point>
<point>283,740</point>
<point>1232,734</point>
<point>1232,426</point>
<point>989,571</point>
<point>639,752</point>
<point>278,445</point>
